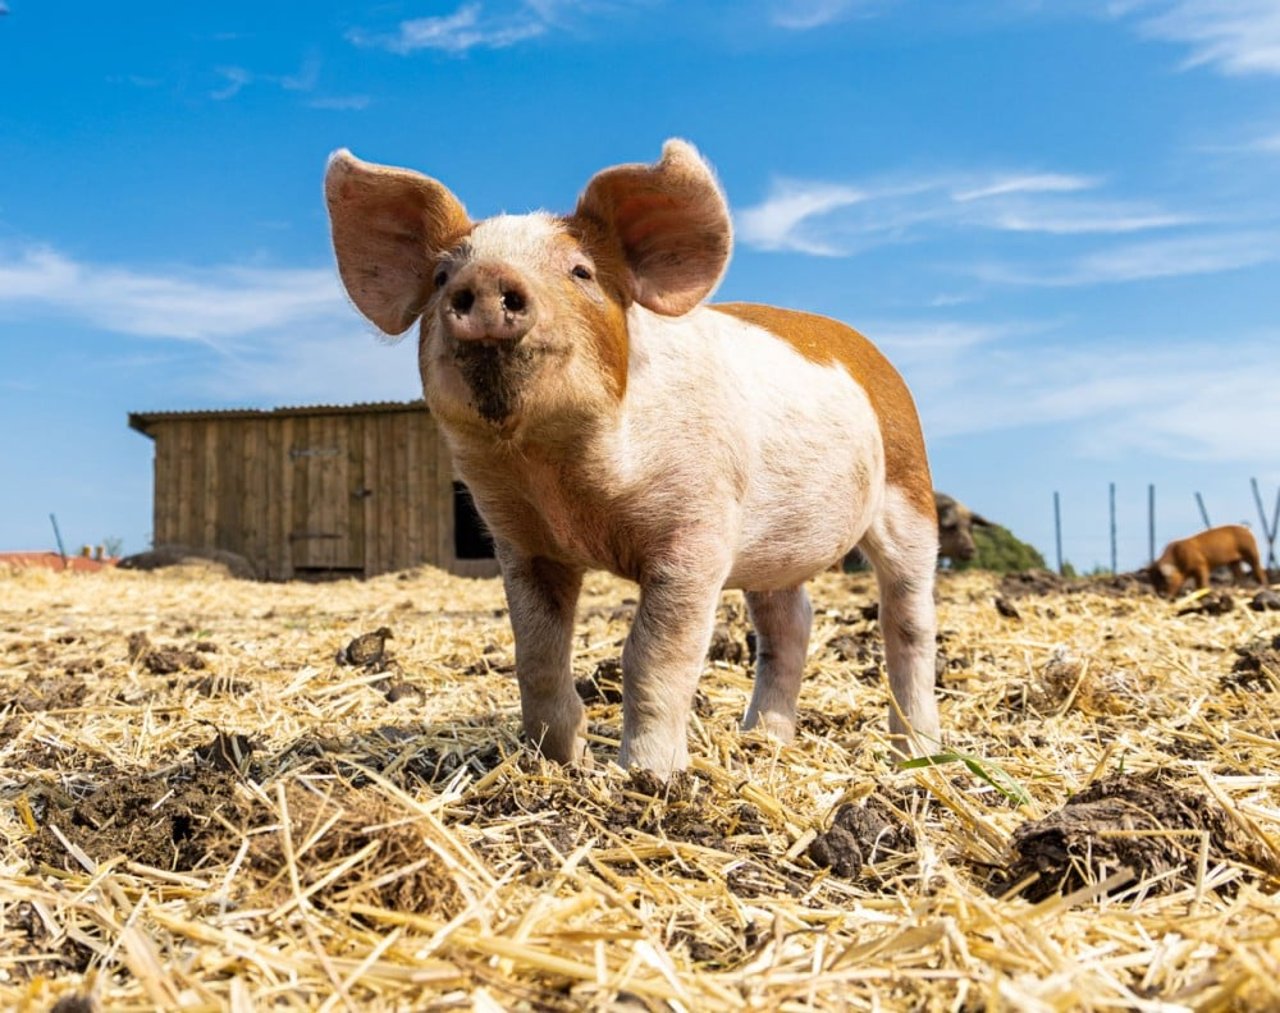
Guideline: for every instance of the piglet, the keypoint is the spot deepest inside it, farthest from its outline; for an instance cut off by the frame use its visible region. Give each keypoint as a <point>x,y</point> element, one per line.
<point>605,418</point>
<point>1196,557</point>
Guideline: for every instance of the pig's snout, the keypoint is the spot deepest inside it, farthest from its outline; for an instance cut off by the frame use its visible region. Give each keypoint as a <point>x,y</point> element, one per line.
<point>488,302</point>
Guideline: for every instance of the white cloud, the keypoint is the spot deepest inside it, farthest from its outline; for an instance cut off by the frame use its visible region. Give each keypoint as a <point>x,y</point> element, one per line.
<point>1236,37</point>
<point>802,15</point>
<point>837,219</point>
<point>242,335</point>
<point>212,305</point>
<point>779,223</point>
<point>1181,400</point>
<point>1166,258</point>
<point>238,78</point>
<point>1043,182</point>
<point>466,28</point>
<point>341,102</point>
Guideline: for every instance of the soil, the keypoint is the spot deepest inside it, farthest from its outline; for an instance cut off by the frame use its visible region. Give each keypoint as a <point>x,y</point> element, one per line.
<point>862,835</point>
<point>1107,828</point>
<point>1256,668</point>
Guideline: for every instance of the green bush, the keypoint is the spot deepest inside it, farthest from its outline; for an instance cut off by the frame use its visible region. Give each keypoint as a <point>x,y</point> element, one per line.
<point>1000,550</point>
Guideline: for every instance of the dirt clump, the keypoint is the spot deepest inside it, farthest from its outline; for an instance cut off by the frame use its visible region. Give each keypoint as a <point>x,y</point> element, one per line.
<point>1216,603</point>
<point>231,563</point>
<point>400,872</point>
<point>1256,668</point>
<point>1032,582</point>
<point>367,651</point>
<point>1265,600</point>
<point>604,685</point>
<point>860,835</point>
<point>1006,608</point>
<point>169,826</point>
<point>727,646</point>
<point>162,660</point>
<point>1140,822</point>
<point>226,752</point>
<point>48,693</point>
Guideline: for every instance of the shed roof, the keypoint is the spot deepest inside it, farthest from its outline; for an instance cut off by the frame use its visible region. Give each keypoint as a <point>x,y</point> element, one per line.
<point>143,421</point>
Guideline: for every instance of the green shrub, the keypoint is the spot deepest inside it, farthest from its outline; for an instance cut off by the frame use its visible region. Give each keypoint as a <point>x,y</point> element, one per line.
<point>1000,550</point>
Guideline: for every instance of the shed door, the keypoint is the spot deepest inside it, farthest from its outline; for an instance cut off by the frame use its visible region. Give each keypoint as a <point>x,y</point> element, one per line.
<point>323,535</point>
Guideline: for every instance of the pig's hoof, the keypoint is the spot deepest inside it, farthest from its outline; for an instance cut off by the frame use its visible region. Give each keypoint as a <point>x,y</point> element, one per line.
<point>778,726</point>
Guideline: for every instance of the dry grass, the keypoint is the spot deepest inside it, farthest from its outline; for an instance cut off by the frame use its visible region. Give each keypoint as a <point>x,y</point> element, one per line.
<point>222,816</point>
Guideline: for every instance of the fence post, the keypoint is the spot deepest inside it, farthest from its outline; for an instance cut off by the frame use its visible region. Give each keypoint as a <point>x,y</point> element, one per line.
<point>1267,529</point>
<point>1113,528</point>
<point>1204,514</point>
<point>1151,521</point>
<point>1057,529</point>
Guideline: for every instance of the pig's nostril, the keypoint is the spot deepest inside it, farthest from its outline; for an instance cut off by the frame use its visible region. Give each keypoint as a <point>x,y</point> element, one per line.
<point>513,302</point>
<point>462,300</point>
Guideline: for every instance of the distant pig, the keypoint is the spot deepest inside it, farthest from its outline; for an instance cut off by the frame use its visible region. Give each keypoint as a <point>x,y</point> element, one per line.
<point>1196,557</point>
<point>955,528</point>
<point>604,418</point>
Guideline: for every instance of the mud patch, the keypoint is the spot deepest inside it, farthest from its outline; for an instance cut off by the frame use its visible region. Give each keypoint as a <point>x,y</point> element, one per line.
<point>1139,822</point>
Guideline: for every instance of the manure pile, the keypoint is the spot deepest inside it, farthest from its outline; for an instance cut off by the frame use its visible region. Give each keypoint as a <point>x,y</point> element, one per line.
<point>219,794</point>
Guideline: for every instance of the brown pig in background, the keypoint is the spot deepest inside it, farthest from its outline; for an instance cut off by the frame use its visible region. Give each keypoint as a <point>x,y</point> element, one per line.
<point>605,418</point>
<point>1196,557</point>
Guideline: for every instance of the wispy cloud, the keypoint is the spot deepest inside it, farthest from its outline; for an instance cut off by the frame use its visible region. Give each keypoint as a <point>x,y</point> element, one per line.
<point>782,220</point>
<point>469,27</point>
<point>803,15</point>
<point>341,102</point>
<point>1174,257</point>
<point>1234,37</point>
<point>1188,400</point>
<point>1043,182</point>
<point>238,78</point>
<point>211,305</point>
<point>231,334</point>
<point>838,219</point>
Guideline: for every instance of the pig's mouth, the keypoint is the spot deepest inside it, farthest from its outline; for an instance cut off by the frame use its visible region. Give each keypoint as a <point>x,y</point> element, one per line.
<point>496,371</point>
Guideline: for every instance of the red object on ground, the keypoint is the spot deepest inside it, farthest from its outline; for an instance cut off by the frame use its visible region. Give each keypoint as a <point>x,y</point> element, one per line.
<point>52,561</point>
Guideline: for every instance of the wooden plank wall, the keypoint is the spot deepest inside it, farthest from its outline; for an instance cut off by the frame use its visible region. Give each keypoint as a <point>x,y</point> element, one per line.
<point>233,484</point>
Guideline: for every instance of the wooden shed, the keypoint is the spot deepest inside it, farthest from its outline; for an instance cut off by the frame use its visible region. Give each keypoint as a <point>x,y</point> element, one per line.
<point>315,491</point>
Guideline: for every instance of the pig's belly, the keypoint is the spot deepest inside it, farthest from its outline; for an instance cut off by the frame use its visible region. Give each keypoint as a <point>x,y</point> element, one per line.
<point>787,539</point>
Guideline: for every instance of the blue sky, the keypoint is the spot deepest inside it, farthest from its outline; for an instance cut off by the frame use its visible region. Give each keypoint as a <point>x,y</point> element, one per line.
<point>1059,219</point>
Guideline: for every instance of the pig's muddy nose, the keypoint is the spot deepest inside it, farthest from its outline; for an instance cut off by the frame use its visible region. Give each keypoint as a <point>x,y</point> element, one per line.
<point>488,302</point>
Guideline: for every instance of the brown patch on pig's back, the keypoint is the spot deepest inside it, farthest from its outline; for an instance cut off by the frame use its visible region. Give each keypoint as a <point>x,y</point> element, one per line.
<point>827,342</point>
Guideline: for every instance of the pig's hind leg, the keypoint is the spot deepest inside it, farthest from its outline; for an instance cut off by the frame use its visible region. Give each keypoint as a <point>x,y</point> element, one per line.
<point>782,620</point>
<point>902,544</point>
<point>542,596</point>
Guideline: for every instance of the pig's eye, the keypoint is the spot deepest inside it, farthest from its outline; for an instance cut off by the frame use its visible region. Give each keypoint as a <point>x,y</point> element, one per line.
<point>581,271</point>
<point>441,277</point>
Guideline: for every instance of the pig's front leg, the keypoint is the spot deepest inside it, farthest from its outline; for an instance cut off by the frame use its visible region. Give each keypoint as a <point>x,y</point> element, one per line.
<point>661,663</point>
<point>543,596</point>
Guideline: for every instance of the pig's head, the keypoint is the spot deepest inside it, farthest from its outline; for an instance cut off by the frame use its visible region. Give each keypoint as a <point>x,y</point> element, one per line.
<point>955,528</point>
<point>524,317</point>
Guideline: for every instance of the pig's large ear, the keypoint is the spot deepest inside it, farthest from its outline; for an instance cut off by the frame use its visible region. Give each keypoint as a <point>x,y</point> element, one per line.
<point>673,224</point>
<point>388,226</point>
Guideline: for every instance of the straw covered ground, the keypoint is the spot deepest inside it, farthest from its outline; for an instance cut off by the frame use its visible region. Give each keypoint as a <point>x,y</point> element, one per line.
<point>210,798</point>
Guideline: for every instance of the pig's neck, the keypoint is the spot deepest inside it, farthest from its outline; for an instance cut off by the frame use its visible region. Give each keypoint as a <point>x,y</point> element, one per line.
<point>589,489</point>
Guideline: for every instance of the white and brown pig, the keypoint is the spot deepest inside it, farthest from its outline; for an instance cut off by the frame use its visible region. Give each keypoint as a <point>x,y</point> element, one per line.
<point>605,418</point>
<point>1198,556</point>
